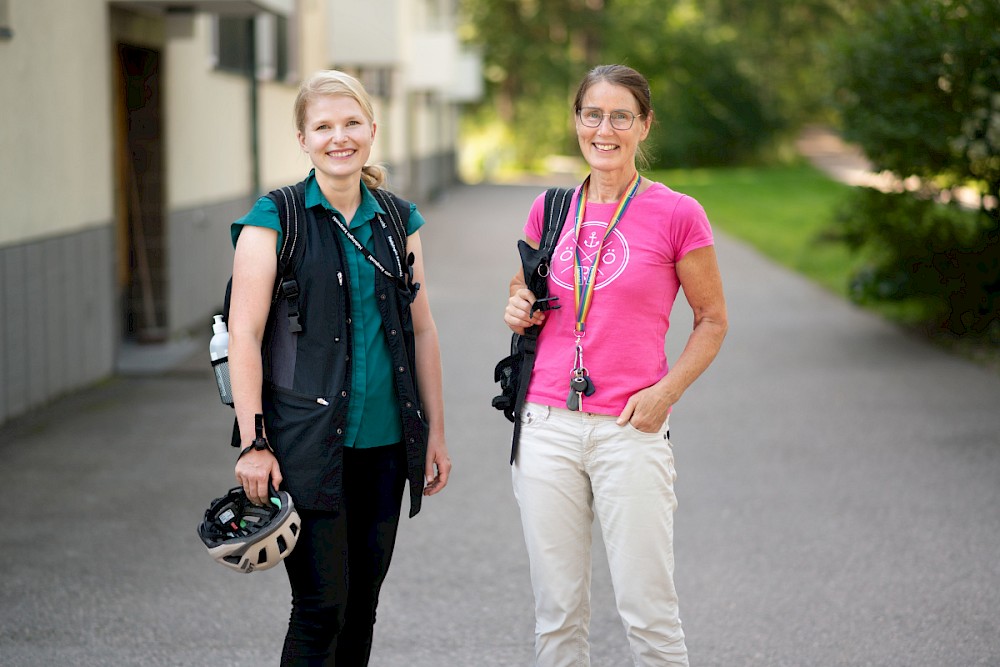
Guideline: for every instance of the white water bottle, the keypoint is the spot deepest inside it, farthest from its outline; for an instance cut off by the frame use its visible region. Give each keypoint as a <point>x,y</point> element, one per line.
<point>218,350</point>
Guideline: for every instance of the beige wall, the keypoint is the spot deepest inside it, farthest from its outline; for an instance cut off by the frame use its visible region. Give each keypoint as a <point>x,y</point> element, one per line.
<point>55,129</point>
<point>281,160</point>
<point>206,123</point>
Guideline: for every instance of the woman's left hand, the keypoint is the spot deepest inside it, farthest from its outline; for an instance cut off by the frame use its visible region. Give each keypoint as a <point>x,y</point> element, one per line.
<point>646,409</point>
<point>438,466</point>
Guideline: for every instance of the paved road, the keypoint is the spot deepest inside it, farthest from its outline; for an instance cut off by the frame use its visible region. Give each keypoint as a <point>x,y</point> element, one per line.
<point>839,498</point>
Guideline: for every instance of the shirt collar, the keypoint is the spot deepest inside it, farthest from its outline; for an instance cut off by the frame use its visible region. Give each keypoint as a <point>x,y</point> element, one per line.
<point>367,210</point>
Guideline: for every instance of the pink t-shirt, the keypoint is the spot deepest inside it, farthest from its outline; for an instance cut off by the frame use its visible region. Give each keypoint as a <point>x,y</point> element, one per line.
<point>626,328</point>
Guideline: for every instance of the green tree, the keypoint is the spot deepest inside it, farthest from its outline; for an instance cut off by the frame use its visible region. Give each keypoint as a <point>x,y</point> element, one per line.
<point>785,47</point>
<point>920,92</point>
<point>711,109</point>
<point>533,52</point>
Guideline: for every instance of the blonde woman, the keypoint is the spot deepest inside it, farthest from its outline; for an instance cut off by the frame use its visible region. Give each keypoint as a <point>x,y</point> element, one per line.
<point>343,371</point>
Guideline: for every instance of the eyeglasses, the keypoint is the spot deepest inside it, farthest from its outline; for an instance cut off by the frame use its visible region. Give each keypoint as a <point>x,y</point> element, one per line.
<point>621,119</point>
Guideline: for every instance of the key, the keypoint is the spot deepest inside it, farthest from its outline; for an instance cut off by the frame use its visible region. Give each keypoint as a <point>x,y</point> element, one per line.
<point>578,386</point>
<point>573,401</point>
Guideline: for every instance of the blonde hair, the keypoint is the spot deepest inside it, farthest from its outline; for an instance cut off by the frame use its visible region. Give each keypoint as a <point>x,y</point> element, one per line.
<point>335,82</point>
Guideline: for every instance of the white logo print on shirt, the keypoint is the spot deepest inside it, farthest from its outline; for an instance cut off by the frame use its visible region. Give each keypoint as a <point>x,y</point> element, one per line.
<point>613,259</point>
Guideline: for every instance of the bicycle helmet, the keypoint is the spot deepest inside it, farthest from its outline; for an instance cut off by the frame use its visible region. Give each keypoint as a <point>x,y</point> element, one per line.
<point>247,537</point>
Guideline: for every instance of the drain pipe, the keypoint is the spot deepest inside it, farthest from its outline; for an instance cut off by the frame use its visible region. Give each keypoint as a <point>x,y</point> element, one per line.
<point>254,115</point>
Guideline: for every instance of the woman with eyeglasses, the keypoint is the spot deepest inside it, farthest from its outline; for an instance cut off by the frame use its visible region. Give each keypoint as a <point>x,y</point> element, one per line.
<point>594,425</point>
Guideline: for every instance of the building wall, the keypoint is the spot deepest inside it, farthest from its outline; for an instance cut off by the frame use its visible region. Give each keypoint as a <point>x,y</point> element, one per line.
<point>56,231</point>
<point>207,122</point>
<point>63,232</point>
<point>210,167</point>
<point>55,134</point>
<point>56,315</point>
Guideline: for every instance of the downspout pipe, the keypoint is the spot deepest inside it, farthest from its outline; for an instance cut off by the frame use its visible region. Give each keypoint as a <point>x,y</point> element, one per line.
<point>254,114</point>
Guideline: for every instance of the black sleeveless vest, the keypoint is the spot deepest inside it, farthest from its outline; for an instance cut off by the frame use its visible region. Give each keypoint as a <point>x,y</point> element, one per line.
<point>307,375</point>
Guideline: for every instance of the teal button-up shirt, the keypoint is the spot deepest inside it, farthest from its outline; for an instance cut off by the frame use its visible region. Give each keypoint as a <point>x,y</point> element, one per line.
<point>373,415</point>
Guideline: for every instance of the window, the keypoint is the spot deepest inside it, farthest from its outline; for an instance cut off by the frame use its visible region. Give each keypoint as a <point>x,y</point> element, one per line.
<point>282,49</point>
<point>377,81</point>
<point>234,44</point>
<point>262,44</point>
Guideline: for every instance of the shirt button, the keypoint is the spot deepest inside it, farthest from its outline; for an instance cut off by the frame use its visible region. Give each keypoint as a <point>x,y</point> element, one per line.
<point>340,431</point>
<point>400,369</point>
<point>392,332</point>
<point>382,296</point>
<point>344,394</point>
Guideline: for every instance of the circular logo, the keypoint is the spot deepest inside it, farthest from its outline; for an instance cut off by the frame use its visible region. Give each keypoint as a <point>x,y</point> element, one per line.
<point>609,265</point>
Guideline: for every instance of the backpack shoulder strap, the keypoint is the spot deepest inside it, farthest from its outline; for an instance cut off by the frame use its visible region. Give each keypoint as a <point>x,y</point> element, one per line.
<point>291,204</point>
<point>556,207</point>
<point>557,202</point>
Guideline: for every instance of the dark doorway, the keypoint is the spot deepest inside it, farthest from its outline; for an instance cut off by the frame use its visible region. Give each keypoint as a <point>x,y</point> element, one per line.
<point>141,234</point>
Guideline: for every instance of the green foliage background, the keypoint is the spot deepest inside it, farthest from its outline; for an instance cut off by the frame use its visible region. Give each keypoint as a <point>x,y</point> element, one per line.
<point>731,79</point>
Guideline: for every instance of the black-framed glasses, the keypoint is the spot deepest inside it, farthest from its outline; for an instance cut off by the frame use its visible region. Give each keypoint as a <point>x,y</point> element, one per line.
<point>621,119</point>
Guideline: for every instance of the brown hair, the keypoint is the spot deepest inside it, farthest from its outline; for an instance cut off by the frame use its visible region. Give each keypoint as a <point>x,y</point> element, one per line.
<point>626,77</point>
<point>335,82</point>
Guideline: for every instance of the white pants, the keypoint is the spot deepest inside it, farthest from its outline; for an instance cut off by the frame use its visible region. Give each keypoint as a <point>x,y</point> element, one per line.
<point>569,464</point>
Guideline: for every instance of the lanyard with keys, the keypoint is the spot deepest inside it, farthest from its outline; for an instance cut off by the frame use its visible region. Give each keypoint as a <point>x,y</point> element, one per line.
<point>584,284</point>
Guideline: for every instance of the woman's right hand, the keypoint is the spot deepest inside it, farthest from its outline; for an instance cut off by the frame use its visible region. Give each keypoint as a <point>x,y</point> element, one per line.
<point>254,470</point>
<point>518,314</point>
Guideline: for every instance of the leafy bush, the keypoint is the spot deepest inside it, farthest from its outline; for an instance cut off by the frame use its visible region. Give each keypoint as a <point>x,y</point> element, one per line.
<point>919,82</point>
<point>918,92</point>
<point>941,256</point>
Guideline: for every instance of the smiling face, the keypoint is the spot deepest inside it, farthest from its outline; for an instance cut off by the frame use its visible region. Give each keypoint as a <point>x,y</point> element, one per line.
<point>337,135</point>
<point>604,147</point>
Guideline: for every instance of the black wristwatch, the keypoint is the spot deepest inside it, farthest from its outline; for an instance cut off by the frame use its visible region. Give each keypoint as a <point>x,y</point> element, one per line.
<point>259,443</point>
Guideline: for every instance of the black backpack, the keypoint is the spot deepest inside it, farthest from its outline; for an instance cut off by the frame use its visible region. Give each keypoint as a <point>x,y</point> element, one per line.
<point>514,371</point>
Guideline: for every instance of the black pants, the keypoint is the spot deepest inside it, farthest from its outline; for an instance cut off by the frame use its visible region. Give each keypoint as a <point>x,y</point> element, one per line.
<point>340,561</point>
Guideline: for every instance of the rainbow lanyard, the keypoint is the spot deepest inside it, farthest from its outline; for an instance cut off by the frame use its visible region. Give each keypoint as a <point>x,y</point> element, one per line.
<point>583,286</point>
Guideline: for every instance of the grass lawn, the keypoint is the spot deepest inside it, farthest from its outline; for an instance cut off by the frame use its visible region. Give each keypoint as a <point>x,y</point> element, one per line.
<point>781,211</point>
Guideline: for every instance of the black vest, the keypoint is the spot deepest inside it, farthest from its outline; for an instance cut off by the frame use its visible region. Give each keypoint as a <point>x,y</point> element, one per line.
<point>307,375</point>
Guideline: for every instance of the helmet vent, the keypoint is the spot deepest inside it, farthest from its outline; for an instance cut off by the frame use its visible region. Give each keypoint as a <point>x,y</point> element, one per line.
<point>262,556</point>
<point>282,545</point>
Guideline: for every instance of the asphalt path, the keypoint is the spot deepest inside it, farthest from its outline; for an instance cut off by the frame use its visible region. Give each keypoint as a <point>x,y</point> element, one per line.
<point>839,486</point>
